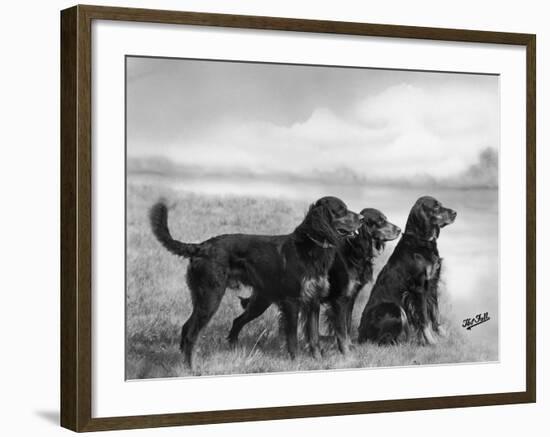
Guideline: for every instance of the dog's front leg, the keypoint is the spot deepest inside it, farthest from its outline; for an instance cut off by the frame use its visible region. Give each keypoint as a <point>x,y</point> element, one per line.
<point>312,328</point>
<point>426,332</point>
<point>341,313</point>
<point>435,319</point>
<point>290,310</point>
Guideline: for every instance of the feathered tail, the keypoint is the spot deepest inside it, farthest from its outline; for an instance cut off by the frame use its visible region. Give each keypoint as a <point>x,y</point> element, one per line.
<point>158,216</point>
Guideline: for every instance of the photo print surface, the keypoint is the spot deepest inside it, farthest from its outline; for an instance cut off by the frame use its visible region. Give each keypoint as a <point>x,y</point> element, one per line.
<point>285,218</point>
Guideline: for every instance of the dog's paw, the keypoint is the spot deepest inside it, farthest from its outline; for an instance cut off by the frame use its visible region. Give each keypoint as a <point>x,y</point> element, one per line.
<point>316,352</point>
<point>428,336</point>
<point>346,348</point>
<point>442,331</point>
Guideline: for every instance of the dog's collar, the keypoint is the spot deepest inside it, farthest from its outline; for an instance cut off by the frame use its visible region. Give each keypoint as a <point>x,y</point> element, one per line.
<point>324,245</point>
<point>421,242</point>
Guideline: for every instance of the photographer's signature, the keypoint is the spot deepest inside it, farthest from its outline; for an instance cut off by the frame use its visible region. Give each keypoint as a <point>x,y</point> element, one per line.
<point>478,319</point>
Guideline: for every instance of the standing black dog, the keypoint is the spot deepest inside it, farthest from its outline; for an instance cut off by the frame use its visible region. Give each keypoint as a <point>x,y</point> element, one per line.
<point>351,271</point>
<point>408,283</point>
<point>290,270</point>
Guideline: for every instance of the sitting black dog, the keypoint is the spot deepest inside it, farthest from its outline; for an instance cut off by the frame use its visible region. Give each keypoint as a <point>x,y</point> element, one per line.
<point>406,291</point>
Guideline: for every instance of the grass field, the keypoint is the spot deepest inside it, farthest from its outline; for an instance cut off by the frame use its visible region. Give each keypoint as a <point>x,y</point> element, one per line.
<point>158,301</point>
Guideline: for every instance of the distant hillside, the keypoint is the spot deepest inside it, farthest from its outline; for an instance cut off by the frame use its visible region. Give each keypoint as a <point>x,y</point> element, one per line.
<point>482,174</point>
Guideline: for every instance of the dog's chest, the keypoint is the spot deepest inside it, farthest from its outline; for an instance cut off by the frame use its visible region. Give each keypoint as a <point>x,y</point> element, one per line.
<point>314,289</point>
<point>351,287</point>
<point>434,269</point>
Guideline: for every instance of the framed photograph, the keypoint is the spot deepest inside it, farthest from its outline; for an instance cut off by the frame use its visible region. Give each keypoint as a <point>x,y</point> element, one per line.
<point>268,218</point>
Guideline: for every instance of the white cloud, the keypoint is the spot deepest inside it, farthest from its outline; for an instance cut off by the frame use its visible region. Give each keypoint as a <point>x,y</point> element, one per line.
<point>402,131</point>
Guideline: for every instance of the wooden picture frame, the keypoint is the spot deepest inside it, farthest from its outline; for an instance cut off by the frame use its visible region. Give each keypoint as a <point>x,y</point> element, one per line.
<point>76,217</point>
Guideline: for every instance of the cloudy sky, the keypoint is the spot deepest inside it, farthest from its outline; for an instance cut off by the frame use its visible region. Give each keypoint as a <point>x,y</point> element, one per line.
<point>304,119</point>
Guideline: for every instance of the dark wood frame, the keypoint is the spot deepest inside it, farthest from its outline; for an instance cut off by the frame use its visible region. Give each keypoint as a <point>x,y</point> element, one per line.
<point>76,217</point>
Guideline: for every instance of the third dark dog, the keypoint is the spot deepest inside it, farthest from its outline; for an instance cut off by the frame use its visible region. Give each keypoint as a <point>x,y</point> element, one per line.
<point>406,291</point>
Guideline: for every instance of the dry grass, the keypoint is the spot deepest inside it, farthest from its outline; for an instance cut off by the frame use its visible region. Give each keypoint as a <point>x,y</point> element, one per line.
<point>158,301</point>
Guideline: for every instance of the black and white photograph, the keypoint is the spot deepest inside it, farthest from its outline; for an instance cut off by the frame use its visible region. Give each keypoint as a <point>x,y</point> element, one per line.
<point>289,218</point>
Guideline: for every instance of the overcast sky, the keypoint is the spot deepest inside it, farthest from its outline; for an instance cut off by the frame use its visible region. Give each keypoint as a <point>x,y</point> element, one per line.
<point>273,118</point>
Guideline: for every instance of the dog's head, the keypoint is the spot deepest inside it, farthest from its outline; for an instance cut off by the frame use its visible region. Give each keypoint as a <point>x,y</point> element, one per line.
<point>329,220</point>
<point>427,217</point>
<point>378,228</point>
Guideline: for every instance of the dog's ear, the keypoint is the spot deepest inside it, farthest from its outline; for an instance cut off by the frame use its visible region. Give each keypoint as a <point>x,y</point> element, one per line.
<point>373,234</point>
<point>369,229</point>
<point>321,218</point>
<point>318,223</point>
<point>379,245</point>
<point>419,223</point>
<point>369,225</point>
<point>367,234</point>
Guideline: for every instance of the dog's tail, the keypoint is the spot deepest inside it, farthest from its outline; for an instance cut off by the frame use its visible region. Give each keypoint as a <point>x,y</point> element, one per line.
<point>158,216</point>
